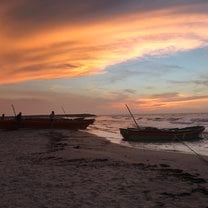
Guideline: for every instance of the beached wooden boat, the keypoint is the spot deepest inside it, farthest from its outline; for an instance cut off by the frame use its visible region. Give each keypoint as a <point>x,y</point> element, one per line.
<point>46,123</point>
<point>151,134</point>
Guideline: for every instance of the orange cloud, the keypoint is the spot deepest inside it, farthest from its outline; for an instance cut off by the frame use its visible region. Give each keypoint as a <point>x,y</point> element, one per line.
<point>171,101</point>
<point>73,50</point>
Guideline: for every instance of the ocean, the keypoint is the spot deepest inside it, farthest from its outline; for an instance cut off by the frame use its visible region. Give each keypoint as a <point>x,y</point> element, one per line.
<point>108,127</point>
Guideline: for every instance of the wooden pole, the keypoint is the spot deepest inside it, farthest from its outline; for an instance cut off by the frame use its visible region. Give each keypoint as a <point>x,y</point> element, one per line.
<point>132,116</point>
<point>63,110</point>
<point>14,110</point>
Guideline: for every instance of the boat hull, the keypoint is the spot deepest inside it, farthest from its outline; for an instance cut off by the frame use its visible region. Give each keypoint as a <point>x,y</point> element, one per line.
<point>72,124</point>
<point>149,134</point>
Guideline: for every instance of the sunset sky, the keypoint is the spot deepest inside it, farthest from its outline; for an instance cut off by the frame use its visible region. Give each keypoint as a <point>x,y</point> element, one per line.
<point>94,56</point>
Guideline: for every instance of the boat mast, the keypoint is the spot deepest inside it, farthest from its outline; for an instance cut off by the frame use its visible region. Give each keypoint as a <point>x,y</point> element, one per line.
<point>132,116</point>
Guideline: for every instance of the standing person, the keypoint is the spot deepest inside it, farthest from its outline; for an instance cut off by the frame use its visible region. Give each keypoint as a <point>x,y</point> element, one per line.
<point>18,123</point>
<point>19,117</point>
<point>2,117</point>
<point>52,115</point>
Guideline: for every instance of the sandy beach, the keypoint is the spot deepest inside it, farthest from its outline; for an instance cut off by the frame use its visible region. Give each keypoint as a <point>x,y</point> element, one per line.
<point>49,169</point>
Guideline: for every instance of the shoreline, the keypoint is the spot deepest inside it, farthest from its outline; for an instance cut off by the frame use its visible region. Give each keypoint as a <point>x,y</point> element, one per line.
<point>155,146</point>
<point>177,158</point>
<point>77,169</point>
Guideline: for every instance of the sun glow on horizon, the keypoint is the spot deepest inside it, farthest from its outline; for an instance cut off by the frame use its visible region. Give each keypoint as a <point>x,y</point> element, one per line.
<point>170,103</point>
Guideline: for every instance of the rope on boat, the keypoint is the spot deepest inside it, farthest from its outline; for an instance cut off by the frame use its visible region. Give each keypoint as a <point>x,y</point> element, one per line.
<point>196,153</point>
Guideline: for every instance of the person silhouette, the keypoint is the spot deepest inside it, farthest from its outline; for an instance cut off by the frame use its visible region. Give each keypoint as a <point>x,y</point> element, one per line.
<point>52,115</point>
<point>19,116</point>
<point>2,117</point>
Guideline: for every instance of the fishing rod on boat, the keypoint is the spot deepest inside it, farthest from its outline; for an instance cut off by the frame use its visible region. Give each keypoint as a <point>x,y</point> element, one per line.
<point>14,110</point>
<point>132,116</point>
<point>63,110</point>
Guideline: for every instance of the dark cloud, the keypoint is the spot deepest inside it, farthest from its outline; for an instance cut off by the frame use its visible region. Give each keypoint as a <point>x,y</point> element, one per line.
<point>46,13</point>
<point>166,95</point>
<point>121,95</point>
<point>130,91</point>
<point>201,82</point>
<point>197,82</point>
<point>41,68</point>
<point>32,14</point>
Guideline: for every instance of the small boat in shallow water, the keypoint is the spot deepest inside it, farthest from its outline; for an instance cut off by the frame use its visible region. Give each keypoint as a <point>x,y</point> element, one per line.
<point>46,123</point>
<point>151,134</point>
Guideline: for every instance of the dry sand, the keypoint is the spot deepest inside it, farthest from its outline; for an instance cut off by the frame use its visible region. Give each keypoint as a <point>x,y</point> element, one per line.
<point>76,169</point>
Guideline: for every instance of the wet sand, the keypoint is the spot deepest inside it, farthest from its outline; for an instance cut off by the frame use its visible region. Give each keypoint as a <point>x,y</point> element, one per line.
<point>77,169</point>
